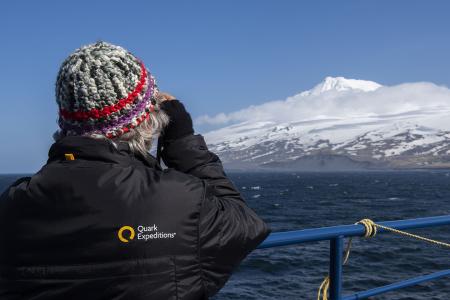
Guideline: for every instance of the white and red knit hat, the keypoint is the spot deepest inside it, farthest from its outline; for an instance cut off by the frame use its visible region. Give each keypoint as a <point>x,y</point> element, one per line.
<point>104,89</point>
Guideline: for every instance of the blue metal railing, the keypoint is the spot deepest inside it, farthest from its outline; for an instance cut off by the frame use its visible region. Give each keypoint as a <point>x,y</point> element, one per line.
<point>336,235</point>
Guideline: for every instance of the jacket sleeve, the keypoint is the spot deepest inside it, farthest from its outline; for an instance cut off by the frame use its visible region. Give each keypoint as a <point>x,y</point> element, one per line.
<point>228,229</point>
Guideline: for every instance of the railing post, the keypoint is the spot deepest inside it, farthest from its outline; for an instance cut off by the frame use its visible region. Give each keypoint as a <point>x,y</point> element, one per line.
<point>336,255</point>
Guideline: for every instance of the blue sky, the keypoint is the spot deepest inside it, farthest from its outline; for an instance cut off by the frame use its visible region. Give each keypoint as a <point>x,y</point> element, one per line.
<point>216,56</point>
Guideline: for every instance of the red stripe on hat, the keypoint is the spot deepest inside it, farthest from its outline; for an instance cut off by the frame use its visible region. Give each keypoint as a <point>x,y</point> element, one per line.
<point>107,110</point>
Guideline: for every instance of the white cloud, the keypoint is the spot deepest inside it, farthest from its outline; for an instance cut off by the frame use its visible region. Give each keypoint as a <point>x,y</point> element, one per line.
<point>342,98</point>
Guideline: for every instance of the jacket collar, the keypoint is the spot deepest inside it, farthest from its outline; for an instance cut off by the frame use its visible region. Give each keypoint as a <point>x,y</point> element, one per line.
<point>98,149</point>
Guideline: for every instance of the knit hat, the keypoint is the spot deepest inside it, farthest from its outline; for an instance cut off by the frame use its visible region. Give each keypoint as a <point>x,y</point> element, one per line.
<point>104,89</point>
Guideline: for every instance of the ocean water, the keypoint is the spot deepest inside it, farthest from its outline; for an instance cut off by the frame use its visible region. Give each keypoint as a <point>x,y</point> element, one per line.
<point>290,201</point>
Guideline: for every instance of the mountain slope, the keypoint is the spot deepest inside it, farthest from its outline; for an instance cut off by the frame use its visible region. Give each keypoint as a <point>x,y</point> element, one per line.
<point>348,124</point>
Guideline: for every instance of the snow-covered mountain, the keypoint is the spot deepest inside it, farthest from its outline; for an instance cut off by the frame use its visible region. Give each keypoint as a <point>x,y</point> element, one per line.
<point>341,124</point>
<point>342,84</point>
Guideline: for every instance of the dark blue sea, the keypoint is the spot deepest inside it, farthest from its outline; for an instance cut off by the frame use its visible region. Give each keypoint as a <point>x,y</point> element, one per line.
<point>291,201</point>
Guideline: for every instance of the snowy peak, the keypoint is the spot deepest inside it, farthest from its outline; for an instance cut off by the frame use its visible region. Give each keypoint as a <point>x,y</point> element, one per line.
<point>340,84</point>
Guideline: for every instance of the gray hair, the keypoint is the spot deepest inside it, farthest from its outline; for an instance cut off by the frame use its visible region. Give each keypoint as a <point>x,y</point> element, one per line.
<point>139,138</point>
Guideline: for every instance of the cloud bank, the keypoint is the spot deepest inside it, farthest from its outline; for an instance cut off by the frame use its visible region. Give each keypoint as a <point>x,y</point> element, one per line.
<point>342,98</point>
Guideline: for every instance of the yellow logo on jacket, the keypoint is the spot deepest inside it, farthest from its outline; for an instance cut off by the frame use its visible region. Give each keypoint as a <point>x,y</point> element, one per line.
<point>121,231</point>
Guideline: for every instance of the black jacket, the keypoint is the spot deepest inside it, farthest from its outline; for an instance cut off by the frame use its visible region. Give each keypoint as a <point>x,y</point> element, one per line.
<point>59,229</point>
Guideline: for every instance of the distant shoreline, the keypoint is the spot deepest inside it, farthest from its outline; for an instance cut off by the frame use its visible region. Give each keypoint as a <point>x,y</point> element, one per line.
<point>341,171</point>
<point>302,171</point>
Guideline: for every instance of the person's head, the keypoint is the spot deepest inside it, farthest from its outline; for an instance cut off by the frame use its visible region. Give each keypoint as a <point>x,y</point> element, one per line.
<point>104,91</point>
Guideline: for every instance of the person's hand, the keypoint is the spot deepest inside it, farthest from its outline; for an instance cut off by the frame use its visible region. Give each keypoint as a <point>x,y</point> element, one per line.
<point>161,97</point>
<point>180,124</point>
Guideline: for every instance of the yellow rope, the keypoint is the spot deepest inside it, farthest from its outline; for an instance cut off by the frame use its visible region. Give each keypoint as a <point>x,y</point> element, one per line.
<point>323,289</point>
<point>370,232</point>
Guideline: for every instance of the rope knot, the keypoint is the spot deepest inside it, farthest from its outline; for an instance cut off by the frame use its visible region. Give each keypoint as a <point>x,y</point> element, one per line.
<point>369,226</point>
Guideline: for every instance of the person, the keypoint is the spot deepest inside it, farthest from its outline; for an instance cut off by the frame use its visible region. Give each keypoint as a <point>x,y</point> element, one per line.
<point>102,219</point>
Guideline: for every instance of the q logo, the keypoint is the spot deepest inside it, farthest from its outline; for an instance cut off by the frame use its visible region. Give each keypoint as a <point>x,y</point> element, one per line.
<point>126,228</point>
